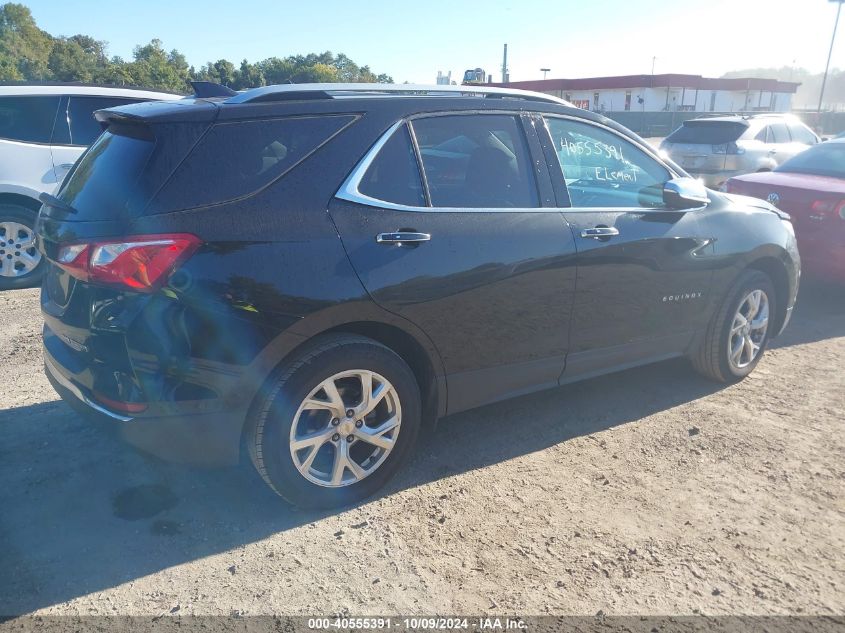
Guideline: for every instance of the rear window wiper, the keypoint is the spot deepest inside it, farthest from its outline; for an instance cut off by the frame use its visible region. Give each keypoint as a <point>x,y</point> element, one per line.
<point>53,201</point>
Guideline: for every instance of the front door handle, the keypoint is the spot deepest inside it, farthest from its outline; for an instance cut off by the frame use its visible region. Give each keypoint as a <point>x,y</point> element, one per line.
<point>66,166</point>
<point>600,232</point>
<point>402,237</point>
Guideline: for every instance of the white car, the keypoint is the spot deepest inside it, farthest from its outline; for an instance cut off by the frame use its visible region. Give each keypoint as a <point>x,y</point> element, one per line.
<point>43,130</point>
<point>715,148</point>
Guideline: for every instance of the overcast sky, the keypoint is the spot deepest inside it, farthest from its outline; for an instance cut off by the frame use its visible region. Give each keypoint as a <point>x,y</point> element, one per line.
<point>412,41</point>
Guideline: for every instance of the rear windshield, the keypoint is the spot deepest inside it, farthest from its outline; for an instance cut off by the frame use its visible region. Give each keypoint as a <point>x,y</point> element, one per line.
<point>707,132</point>
<point>103,182</point>
<point>825,159</point>
<point>237,159</point>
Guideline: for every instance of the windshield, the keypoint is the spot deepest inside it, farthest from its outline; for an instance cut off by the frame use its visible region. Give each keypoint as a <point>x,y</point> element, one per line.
<point>826,159</point>
<point>707,132</point>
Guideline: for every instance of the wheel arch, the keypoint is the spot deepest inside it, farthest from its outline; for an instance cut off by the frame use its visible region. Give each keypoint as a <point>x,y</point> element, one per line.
<point>412,346</point>
<point>775,270</point>
<point>408,348</point>
<point>20,200</point>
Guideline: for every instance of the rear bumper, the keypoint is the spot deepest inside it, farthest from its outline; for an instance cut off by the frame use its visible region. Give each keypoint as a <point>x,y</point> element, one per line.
<point>210,439</point>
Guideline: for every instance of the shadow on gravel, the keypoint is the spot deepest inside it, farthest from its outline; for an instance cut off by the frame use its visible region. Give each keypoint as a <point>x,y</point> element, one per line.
<point>80,511</point>
<point>819,314</point>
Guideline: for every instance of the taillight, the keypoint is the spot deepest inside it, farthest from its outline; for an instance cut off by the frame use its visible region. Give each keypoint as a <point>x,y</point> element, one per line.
<point>728,148</point>
<point>141,262</point>
<point>832,207</point>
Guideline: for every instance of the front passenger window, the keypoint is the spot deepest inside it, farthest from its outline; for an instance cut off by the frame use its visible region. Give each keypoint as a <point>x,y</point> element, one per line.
<point>602,169</point>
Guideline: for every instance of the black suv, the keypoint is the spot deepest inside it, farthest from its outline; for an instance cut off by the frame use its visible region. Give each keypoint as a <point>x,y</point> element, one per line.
<point>314,271</point>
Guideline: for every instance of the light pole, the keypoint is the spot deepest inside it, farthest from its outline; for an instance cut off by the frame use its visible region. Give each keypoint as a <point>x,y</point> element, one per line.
<point>544,71</point>
<point>830,52</point>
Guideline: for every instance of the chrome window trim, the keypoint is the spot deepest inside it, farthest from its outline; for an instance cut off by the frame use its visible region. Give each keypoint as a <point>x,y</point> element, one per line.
<point>349,189</point>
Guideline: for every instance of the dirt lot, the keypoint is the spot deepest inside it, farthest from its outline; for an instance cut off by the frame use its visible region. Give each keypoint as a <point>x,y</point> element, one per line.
<point>651,491</point>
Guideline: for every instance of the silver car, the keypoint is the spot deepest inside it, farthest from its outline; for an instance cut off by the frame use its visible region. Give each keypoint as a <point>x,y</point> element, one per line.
<point>718,147</point>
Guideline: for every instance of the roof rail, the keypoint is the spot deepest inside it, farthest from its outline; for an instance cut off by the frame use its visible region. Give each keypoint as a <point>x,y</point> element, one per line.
<point>295,92</point>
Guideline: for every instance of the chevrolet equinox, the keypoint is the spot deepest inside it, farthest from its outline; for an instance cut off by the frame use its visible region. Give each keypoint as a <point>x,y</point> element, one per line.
<point>314,272</point>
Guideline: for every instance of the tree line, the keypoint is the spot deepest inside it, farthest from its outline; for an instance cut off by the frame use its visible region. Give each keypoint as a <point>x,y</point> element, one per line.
<point>28,53</point>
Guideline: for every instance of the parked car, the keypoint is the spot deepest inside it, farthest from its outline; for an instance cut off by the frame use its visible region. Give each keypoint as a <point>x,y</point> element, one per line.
<point>316,270</point>
<point>716,148</point>
<point>43,130</point>
<point>811,188</point>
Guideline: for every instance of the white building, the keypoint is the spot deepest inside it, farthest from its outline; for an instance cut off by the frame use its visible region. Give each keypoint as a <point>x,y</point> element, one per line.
<point>669,93</point>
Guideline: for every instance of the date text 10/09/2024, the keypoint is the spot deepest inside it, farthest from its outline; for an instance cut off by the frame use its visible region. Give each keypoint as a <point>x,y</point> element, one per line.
<point>417,624</point>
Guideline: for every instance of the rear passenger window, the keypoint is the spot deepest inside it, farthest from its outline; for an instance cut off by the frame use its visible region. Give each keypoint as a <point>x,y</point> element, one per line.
<point>779,133</point>
<point>28,119</point>
<point>394,175</point>
<point>237,159</point>
<point>476,161</point>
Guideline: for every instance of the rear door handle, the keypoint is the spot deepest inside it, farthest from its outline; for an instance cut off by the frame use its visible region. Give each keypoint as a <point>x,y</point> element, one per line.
<point>600,232</point>
<point>402,237</point>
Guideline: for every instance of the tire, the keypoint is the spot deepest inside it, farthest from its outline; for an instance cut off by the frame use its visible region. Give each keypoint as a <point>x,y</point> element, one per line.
<point>713,358</point>
<point>271,427</point>
<point>13,260</point>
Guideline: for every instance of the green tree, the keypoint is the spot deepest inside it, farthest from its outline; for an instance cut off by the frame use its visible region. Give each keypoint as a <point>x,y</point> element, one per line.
<point>276,70</point>
<point>24,48</point>
<point>29,54</point>
<point>249,76</point>
<point>156,68</point>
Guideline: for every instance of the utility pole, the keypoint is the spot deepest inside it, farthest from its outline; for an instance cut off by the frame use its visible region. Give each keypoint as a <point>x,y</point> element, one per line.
<point>830,52</point>
<point>505,66</point>
<point>653,59</point>
<point>544,71</point>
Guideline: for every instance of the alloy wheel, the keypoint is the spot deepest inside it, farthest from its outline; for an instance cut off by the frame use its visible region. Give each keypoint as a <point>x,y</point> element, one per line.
<point>19,254</point>
<point>345,428</point>
<point>748,329</point>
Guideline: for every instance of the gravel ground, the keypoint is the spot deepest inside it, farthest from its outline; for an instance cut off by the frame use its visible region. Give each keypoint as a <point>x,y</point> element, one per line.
<point>650,491</point>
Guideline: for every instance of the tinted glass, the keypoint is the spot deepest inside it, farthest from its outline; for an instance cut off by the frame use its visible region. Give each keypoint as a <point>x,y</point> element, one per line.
<point>763,135</point>
<point>28,119</point>
<point>83,127</point>
<point>476,161</point>
<point>778,133</point>
<point>394,175</point>
<point>707,132</point>
<point>101,184</point>
<point>602,169</point>
<point>237,159</point>
<point>802,134</point>
<point>823,159</point>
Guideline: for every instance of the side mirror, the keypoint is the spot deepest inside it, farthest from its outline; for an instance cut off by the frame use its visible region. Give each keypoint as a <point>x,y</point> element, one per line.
<point>685,193</point>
